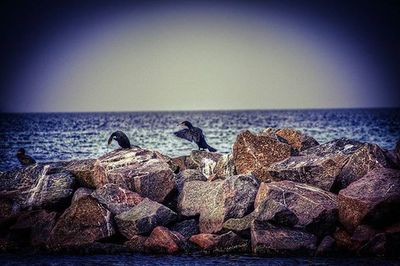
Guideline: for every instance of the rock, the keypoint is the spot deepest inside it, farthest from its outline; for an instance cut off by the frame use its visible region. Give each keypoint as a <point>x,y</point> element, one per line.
<point>315,208</point>
<point>331,166</point>
<point>218,201</point>
<point>116,199</point>
<point>82,170</point>
<point>162,240</point>
<point>365,159</point>
<point>296,139</point>
<point>38,185</point>
<point>254,153</point>
<point>139,170</point>
<point>35,226</point>
<point>275,212</point>
<point>181,162</point>
<point>136,243</point>
<point>225,243</point>
<point>225,166</point>
<point>7,208</point>
<point>80,193</point>
<point>386,243</point>
<point>188,175</point>
<point>343,241</point>
<point>205,162</point>
<point>143,218</point>
<point>85,221</point>
<point>373,199</point>
<point>272,240</point>
<point>186,228</point>
<point>326,247</point>
<point>240,226</point>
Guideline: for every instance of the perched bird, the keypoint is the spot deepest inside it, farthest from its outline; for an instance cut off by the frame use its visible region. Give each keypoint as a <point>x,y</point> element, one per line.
<point>121,138</point>
<point>23,158</point>
<point>195,134</point>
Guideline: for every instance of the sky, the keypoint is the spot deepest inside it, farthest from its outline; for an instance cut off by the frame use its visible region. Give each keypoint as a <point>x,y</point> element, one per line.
<point>84,56</point>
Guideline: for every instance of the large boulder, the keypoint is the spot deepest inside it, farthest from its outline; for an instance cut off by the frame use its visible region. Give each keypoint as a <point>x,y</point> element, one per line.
<point>143,171</point>
<point>225,243</point>
<point>331,166</point>
<point>268,239</point>
<point>254,153</point>
<point>80,193</point>
<point>373,199</point>
<point>82,170</point>
<point>85,221</point>
<point>143,218</point>
<point>38,185</point>
<point>188,175</point>
<point>274,212</point>
<point>315,209</point>
<point>136,243</point>
<point>240,226</point>
<point>116,199</point>
<point>296,139</point>
<point>162,240</point>
<point>218,201</point>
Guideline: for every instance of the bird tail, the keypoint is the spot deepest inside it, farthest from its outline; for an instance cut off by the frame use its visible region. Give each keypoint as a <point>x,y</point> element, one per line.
<point>211,149</point>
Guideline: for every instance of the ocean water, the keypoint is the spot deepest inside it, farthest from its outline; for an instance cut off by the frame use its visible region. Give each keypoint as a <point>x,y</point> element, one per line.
<point>65,136</point>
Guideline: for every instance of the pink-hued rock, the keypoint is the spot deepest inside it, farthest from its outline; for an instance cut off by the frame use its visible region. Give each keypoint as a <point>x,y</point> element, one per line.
<point>136,243</point>
<point>162,240</point>
<point>85,221</point>
<point>225,243</point>
<point>116,199</point>
<point>373,199</point>
<point>80,193</point>
<point>296,139</point>
<point>254,153</point>
<point>139,170</point>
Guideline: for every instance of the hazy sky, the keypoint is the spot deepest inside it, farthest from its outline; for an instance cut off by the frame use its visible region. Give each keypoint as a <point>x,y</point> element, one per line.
<point>191,57</point>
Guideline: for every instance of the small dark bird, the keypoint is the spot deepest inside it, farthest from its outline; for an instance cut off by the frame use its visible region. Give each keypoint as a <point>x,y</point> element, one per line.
<point>195,134</point>
<point>121,138</point>
<point>23,158</point>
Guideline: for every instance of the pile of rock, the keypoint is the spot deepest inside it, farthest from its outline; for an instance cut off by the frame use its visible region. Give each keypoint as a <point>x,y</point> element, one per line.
<point>278,193</point>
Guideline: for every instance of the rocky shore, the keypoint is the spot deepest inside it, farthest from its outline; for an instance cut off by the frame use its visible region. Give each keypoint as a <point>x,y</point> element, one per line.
<point>278,193</point>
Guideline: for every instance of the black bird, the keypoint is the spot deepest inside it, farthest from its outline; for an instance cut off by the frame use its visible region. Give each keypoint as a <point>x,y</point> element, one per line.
<point>195,134</point>
<point>121,138</point>
<point>23,158</point>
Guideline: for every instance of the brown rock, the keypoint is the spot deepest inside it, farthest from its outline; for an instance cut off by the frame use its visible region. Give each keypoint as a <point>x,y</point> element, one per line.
<point>116,199</point>
<point>218,201</point>
<point>275,212</point>
<point>181,162</point>
<point>205,161</point>
<point>326,247</point>
<point>225,243</point>
<point>82,170</point>
<point>298,140</point>
<point>162,240</point>
<point>373,199</point>
<point>240,226</point>
<point>143,218</point>
<point>136,169</point>
<point>254,153</point>
<point>85,221</point>
<point>271,240</point>
<point>315,208</point>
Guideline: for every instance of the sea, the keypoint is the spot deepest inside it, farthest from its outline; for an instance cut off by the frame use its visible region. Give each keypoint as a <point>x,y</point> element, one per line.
<point>67,136</point>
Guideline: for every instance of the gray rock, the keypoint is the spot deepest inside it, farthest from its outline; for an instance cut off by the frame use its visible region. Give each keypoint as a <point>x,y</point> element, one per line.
<point>143,218</point>
<point>139,170</point>
<point>218,201</point>
<point>275,212</point>
<point>315,208</point>
<point>272,240</point>
<point>225,243</point>
<point>80,193</point>
<point>187,228</point>
<point>188,175</point>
